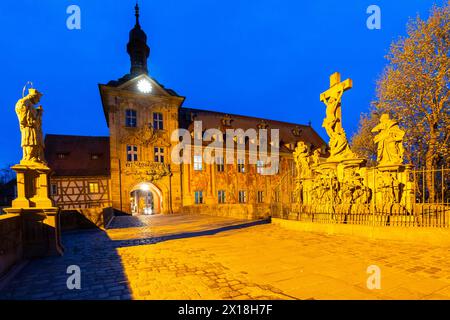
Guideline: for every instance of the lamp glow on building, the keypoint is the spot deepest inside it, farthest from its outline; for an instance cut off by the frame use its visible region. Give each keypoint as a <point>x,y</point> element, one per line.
<point>144,86</point>
<point>144,187</point>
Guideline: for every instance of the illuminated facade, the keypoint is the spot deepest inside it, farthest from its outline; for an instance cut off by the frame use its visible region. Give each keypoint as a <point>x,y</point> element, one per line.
<point>135,173</point>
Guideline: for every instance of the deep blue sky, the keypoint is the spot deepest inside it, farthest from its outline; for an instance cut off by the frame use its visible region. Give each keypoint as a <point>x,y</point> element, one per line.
<point>265,58</point>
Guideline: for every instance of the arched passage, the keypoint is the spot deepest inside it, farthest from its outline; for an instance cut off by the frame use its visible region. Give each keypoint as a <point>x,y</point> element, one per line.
<point>146,198</point>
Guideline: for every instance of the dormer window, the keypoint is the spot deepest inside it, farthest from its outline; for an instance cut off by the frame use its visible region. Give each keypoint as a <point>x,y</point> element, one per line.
<point>130,118</point>
<point>262,125</point>
<point>297,131</point>
<point>226,121</point>
<point>62,155</point>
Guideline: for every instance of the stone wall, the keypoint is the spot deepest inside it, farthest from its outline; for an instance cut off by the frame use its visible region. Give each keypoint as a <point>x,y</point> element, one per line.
<point>86,218</point>
<point>238,211</point>
<point>432,236</point>
<point>11,245</point>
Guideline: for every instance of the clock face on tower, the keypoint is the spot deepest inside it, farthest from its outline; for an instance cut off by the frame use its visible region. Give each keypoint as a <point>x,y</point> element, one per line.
<point>144,86</point>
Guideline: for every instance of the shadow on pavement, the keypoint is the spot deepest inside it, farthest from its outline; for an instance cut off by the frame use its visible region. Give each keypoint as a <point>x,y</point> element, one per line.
<point>102,270</point>
<point>182,235</point>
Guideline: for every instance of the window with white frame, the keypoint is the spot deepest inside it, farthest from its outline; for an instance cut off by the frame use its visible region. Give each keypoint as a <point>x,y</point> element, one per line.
<point>277,168</point>
<point>158,154</point>
<point>242,196</point>
<point>158,123</point>
<point>132,153</point>
<point>276,196</point>
<point>221,196</point>
<point>260,167</point>
<point>198,162</point>
<point>260,196</point>
<point>219,164</point>
<point>241,165</point>
<point>130,118</point>
<point>198,197</point>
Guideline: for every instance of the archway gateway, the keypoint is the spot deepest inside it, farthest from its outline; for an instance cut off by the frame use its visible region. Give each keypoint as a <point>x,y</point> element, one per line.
<point>145,199</point>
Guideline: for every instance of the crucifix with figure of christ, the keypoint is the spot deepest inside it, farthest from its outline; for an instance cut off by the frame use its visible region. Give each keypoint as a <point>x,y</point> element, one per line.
<point>332,99</point>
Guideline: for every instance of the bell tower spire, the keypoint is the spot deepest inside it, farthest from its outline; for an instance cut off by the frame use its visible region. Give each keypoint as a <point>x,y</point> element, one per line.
<point>136,13</point>
<point>137,47</point>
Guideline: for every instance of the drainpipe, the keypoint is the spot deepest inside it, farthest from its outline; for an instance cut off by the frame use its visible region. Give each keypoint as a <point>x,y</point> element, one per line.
<point>120,185</point>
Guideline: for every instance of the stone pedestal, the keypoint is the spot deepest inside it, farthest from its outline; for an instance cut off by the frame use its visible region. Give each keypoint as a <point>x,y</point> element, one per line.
<point>393,186</point>
<point>348,166</point>
<point>391,168</point>
<point>41,230</point>
<point>32,186</point>
<point>353,163</point>
<point>328,165</point>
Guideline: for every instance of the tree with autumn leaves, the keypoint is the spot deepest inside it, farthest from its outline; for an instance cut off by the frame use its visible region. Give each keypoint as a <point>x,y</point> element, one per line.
<point>414,89</point>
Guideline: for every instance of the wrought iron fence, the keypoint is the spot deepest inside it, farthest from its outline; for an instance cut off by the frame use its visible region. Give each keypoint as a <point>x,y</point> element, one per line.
<point>428,203</point>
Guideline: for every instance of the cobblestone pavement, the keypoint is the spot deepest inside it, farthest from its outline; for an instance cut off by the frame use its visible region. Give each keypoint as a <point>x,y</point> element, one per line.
<point>178,258</point>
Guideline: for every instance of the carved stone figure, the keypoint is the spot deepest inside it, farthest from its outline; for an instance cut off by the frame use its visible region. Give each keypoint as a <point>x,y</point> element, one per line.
<point>354,189</point>
<point>301,158</point>
<point>339,148</point>
<point>343,183</point>
<point>389,139</point>
<point>334,188</point>
<point>42,230</point>
<point>322,189</point>
<point>298,190</point>
<point>147,171</point>
<point>315,158</point>
<point>145,136</point>
<point>389,187</point>
<point>30,121</point>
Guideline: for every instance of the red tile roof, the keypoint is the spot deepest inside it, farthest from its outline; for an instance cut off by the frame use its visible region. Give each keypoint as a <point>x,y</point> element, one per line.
<point>289,133</point>
<point>78,152</point>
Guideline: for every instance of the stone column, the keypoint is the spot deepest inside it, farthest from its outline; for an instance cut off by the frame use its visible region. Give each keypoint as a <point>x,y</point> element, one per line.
<point>39,217</point>
<point>21,201</point>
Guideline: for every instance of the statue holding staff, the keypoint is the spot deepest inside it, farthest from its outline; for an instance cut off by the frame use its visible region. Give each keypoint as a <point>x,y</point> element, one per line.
<point>30,122</point>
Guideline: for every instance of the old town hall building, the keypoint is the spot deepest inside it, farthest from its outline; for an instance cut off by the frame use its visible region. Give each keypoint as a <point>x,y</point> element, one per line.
<point>132,170</point>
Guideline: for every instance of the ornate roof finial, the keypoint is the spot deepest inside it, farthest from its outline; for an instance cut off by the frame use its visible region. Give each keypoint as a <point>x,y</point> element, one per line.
<point>137,47</point>
<point>136,13</point>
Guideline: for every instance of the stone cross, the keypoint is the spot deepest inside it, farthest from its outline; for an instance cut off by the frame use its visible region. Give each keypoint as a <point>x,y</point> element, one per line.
<point>332,99</point>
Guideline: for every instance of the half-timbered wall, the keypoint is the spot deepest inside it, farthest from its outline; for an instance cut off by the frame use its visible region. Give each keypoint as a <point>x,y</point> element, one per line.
<point>75,193</point>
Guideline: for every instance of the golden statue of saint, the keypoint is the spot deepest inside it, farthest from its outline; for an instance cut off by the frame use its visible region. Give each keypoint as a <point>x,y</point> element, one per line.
<point>30,122</point>
<point>389,139</point>
<point>302,161</point>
